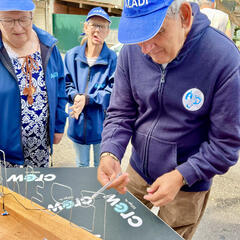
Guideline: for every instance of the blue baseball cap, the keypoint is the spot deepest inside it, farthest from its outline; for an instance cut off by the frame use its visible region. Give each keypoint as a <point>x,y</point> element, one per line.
<point>98,11</point>
<point>141,20</point>
<point>16,5</point>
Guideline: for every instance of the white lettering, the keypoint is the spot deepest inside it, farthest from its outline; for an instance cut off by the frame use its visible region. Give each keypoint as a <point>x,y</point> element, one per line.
<point>135,3</point>
<point>141,3</point>
<point>14,178</point>
<point>32,177</point>
<point>78,202</point>
<point>112,199</point>
<point>40,178</point>
<point>57,207</point>
<point>138,221</point>
<point>49,177</point>
<point>127,215</point>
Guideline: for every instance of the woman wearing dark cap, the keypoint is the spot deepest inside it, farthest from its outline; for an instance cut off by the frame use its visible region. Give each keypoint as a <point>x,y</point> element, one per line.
<point>32,88</point>
<point>89,70</point>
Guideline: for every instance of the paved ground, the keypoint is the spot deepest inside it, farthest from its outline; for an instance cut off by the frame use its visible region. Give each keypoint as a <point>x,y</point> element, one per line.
<point>222,218</point>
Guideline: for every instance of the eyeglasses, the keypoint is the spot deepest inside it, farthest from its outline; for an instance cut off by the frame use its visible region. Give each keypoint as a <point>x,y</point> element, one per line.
<point>23,22</point>
<point>95,26</point>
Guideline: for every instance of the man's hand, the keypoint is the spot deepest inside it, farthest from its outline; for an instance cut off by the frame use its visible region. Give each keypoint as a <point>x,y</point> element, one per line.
<point>165,188</point>
<point>57,138</point>
<point>108,169</point>
<point>78,105</point>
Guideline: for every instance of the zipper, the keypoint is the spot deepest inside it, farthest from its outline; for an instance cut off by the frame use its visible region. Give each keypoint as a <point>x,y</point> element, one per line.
<point>45,70</point>
<point>145,153</point>
<point>85,112</point>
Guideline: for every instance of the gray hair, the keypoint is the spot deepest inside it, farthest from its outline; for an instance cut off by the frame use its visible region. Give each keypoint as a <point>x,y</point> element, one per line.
<point>205,2</point>
<point>173,10</point>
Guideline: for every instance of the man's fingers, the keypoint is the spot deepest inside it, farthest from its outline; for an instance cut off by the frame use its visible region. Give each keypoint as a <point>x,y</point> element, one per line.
<point>122,190</point>
<point>120,184</point>
<point>160,202</point>
<point>72,114</point>
<point>153,197</point>
<point>105,172</point>
<point>120,181</point>
<point>103,177</point>
<point>108,171</point>
<point>159,197</point>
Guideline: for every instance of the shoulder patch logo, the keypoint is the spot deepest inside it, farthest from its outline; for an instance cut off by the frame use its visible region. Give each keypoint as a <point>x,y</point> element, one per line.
<point>54,75</point>
<point>193,99</point>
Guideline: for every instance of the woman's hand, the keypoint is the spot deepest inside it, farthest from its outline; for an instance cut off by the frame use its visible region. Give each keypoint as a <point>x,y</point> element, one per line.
<point>57,138</point>
<point>77,107</point>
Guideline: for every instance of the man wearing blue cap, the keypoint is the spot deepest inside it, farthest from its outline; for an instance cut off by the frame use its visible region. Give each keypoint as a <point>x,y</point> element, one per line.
<point>176,95</point>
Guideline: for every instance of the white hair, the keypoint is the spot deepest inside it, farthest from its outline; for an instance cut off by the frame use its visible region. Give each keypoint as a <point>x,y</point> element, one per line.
<point>205,2</point>
<point>173,10</point>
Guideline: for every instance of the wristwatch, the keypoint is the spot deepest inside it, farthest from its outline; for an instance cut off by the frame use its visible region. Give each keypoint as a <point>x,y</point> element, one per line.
<point>184,181</point>
<point>109,154</point>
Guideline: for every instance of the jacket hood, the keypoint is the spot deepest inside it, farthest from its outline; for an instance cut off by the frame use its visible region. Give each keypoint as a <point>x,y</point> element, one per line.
<point>199,27</point>
<point>44,37</point>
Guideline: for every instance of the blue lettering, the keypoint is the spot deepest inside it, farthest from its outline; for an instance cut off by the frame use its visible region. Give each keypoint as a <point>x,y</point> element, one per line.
<point>30,177</point>
<point>121,207</point>
<point>67,204</point>
<point>55,74</point>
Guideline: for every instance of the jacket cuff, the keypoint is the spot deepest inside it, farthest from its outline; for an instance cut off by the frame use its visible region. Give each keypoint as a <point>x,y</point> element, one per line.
<point>188,173</point>
<point>113,149</point>
<point>72,96</point>
<point>60,121</point>
<point>76,95</point>
<point>87,102</point>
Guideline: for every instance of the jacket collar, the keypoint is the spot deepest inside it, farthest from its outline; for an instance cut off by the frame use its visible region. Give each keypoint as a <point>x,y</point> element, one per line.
<point>199,27</point>
<point>102,58</point>
<point>44,37</point>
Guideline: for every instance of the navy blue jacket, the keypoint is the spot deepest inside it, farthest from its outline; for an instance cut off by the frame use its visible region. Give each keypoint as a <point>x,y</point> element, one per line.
<point>10,102</point>
<point>96,84</point>
<point>186,117</point>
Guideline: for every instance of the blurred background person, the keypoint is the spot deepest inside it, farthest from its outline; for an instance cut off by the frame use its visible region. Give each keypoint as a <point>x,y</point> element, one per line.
<point>32,88</point>
<point>219,19</point>
<point>89,70</point>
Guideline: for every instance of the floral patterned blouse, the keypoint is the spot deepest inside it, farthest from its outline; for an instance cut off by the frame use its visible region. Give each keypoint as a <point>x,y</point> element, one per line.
<point>35,114</point>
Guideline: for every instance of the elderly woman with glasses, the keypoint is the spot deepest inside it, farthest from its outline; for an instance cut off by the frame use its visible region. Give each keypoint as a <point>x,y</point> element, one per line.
<point>32,88</point>
<point>89,70</point>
